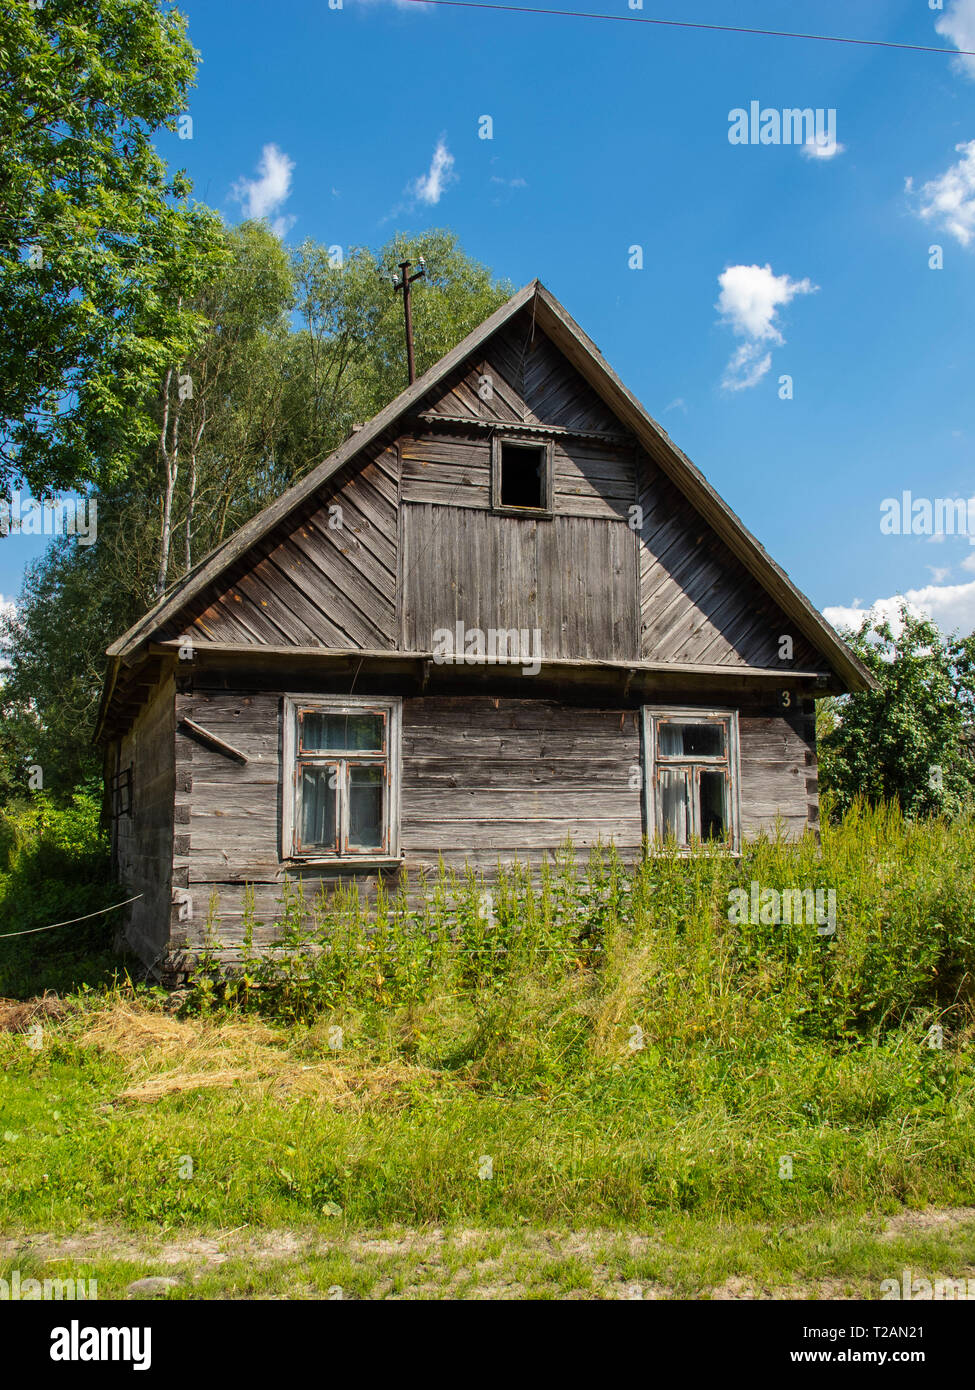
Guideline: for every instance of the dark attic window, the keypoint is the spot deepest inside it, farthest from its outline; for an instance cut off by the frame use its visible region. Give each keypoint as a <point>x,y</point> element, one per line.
<point>522,476</point>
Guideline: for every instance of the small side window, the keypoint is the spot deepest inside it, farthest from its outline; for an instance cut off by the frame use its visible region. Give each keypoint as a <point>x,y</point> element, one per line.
<point>122,793</point>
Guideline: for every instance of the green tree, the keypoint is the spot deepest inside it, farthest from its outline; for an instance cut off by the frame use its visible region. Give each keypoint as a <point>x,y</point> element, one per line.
<point>348,356</point>
<point>101,251</point>
<point>290,356</point>
<point>218,411</point>
<point>904,740</point>
<point>72,598</point>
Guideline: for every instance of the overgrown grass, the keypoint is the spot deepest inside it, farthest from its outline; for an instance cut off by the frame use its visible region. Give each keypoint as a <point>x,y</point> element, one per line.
<point>658,942</point>
<point>595,1049</point>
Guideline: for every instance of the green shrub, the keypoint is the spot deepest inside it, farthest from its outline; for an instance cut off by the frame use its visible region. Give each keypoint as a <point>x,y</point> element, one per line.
<point>54,866</point>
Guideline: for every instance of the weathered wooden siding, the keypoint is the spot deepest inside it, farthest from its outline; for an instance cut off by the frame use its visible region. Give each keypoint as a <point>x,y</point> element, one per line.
<point>486,779</point>
<point>318,583</point>
<point>698,603</point>
<point>573,578</point>
<point>779,780</point>
<point>524,378</point>
<point>593,478</point>
<point>483,781</point>
<point>143,841</point>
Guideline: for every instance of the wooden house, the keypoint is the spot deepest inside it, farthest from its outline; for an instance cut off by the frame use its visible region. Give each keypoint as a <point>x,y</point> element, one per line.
<point>505,612</point>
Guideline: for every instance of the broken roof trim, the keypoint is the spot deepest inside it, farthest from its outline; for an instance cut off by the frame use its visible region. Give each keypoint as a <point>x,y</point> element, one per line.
<point>583,354</point>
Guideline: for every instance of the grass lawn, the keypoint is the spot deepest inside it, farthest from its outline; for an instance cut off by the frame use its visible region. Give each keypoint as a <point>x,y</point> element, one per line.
<point>603,1086</point>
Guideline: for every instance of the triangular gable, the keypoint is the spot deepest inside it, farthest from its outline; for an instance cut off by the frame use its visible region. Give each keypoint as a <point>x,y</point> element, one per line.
<point>532,385</point>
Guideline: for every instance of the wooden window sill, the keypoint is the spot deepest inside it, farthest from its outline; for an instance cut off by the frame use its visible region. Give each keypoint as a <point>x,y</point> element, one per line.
<point>363,861</point>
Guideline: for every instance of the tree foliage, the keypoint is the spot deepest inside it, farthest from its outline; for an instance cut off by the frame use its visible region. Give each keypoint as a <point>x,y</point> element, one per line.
<point>101,251</point>
<point>907,739</point>
<point>292,352</point>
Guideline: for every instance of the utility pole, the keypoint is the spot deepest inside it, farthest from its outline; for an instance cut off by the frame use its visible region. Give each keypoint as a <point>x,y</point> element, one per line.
<point>403,283</point>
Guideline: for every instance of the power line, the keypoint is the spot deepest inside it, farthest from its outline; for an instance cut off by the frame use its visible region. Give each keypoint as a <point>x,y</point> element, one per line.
<point>71,920</point>
<point>689,24</point>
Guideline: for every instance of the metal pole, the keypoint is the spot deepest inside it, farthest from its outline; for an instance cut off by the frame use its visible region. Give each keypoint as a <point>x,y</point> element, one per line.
<point>408,315</point>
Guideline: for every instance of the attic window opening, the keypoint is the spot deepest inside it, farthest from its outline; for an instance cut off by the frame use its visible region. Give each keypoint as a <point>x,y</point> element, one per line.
<point>522,475</point>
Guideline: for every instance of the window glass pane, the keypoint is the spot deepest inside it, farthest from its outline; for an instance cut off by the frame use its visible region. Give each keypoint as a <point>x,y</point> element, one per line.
<point>690,740</point>
<point>319,800</point>
<point>714,818</point>
<point>335,732</point>
<point>365,807</point>
<point>673,803</point>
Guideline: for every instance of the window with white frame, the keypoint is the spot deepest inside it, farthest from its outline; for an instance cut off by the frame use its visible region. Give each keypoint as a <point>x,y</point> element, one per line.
<point>691,776</point>
<point>341,778</point>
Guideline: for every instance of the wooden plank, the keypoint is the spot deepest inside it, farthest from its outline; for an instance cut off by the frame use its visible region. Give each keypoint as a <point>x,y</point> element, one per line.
<point>212,740</point>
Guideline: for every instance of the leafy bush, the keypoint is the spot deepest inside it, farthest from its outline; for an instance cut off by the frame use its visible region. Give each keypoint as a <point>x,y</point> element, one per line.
<point>906,739</point>
<point>54,866</point>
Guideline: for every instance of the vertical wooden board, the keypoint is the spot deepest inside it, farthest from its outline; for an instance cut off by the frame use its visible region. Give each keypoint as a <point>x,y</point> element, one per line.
<point>573,578</point>
<point>144,839</point>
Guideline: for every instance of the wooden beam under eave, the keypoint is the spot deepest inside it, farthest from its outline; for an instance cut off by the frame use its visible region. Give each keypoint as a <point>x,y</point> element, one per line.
<point>255,652</point>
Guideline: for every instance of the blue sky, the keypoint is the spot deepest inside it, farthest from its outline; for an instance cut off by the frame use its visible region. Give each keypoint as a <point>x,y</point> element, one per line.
<point>758,261</point>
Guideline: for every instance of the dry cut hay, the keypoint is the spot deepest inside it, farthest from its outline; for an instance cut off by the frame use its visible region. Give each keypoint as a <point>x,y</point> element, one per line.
<point>17,1015</point>
<point>166,1056</point>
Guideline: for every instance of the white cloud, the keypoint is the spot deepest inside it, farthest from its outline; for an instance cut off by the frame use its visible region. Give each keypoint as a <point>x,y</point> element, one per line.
<point>746,368</point>
<point>263,196</point>
<point>750,298</point>
<point>958,25</point>
<point>429,187</point>
<point>969,562</point>
<point>950,200</point>
<point>951,606</point>
<point>827,149</point>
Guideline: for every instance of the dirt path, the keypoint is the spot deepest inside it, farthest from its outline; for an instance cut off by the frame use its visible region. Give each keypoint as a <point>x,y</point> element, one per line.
<point>490,1263</point>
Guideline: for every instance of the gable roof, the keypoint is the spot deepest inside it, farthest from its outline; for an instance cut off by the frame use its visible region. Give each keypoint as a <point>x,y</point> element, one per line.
<point>582,353</point>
